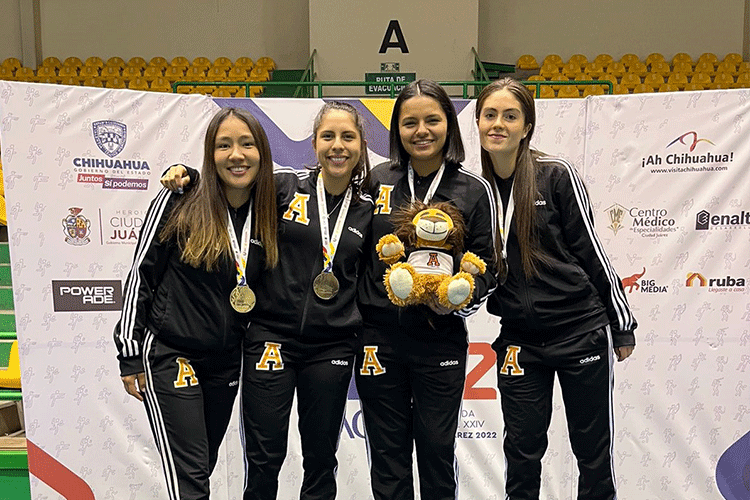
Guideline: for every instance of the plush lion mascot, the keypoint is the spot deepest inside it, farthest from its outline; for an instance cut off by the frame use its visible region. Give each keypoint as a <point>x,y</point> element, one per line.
<point>434,235</point>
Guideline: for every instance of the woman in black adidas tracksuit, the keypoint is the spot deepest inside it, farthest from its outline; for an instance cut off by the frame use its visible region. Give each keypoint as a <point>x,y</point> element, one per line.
<point>186,299</point>
<point>412,361</point>
<point>303,328</point>
<point>562,307</point>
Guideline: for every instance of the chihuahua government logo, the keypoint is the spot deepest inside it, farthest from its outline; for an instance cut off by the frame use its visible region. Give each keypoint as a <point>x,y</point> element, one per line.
<point>110,136</point>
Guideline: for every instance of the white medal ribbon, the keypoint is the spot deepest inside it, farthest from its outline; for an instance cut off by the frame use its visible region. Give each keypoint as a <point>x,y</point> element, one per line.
<point>330,243</point>
<point>240,253</point>
<point>505,219</point>
<point>433,186</point>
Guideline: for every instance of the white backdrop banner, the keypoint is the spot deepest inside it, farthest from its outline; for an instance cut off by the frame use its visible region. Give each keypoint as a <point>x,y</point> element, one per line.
<point>668,176</point>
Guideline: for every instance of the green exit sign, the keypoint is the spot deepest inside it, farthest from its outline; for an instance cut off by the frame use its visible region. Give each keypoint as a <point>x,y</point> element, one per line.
<point>382,82</point>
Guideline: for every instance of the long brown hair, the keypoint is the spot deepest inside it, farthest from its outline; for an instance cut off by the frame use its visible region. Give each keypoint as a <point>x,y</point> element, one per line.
<point>198,222</point>
<point>525,192</point>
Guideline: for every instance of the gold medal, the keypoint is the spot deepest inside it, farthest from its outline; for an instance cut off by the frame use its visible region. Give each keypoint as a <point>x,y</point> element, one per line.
<point>326,286</point>
<point>242,298</point>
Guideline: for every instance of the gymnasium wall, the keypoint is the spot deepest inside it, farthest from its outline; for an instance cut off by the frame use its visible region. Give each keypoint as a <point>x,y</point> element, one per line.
<point>507,29</point>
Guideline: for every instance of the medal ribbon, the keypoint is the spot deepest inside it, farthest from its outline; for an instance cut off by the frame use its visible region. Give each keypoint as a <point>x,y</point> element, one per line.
<point>505,219</point>
<point>240,253</point>
<point>330,242</point>
<point>433,185</point>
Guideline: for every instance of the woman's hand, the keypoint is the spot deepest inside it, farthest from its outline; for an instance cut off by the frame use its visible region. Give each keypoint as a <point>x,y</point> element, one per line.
<point>135,385</point>
<point>176,178</point>
<point>624,351</point>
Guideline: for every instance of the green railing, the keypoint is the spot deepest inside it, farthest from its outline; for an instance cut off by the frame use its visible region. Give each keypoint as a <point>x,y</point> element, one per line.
<point>312,85</point>
<point>479,72</point>
<point>308,76</point>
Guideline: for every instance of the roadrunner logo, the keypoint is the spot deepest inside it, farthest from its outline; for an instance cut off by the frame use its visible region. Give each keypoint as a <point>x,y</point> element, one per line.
<point>110,136</point>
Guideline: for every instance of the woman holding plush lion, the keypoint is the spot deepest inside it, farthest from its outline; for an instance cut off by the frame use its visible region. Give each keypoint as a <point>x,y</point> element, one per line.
<point>412,360</point>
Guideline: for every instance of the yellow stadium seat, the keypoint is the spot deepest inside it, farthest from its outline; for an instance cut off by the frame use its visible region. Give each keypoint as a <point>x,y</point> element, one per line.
<point>68,80</point>
<point>131,72</point>
<point>743,67</point>
<point>89,71</point>
<point>12,63</point>
<point>630,80</point>
<point>10,378</point>
<point>6,74</point>
<point>223,62</point>
<point>568,92</point>
<point>259,74</point>
<point>654,57</point>
<point>46,79</point>
<point>578,59</point>
<point>216,74</point>
<point>570,70</point>
<point>594,70</point>
<point>195,74</point>
<point>743,81</point>
<point>184,89</point>
<point>94,61</point>
<point>237,74</point>
<point>549,71</point>
<point>546,92</point>
<point>150,73</point>
<point>593,90</point>
<point>52,62</point>
<point>202,62</point>
<point>244,62</point>
<point>668,87</point>
<point>138,83</point>
<point>180,62</point>
<point>702,79</point>
<point>682,56</point>
<point>683,67</point>
<point>45,72</point>
<point>620,89</point>
<point>661,68</point>
<point>704,66</point>
<point>115,83</point>
<point>266,62</point>
<point>679,80</point>
<point>617,69</point>
<point>728,67</point>
<point>629,59</point>
<point>553,59</point>
<point>581,77</point>
<point>610,78</point>
<point>109,72</point>
<point>137,62</point>
<point>67,72</point>
<point>527,61</point>
<point>708,57</point>
<point>73,61</point>
<point>733,57</point>
<point>160,84</point>
<point>115,62</point>
<point>159,62</point>
<point>222,92</point>
<point>654,80</point>
<point>638,68</point>
<point>25,75</point>
<point>92,81</point>
<point>643,88</point>
<point>604,59</point>
<point>174,73</point>
<point>694,86</point>
<point>722,81</point>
